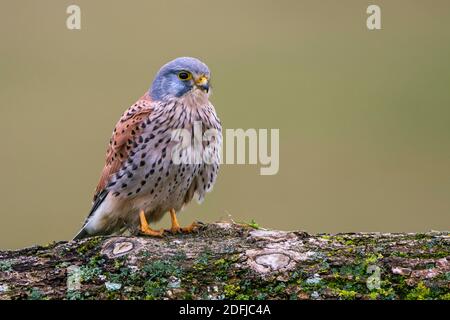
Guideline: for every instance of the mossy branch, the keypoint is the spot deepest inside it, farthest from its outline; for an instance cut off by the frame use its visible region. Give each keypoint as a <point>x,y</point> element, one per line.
<point>231,261</point>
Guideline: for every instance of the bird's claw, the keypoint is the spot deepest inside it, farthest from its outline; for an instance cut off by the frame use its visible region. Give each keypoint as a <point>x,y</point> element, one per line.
<point>152,233</point>
<point>193,227</point>
<point>175,230</point>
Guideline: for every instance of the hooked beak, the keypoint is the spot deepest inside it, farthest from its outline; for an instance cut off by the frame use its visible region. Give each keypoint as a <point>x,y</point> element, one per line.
<point>202,83</point>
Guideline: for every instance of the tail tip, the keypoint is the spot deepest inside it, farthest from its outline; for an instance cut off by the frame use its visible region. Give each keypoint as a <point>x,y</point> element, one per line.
<point>81,235</point>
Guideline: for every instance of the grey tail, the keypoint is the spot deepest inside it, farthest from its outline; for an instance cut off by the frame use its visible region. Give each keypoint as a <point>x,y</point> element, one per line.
<point>81,234</point>
<point>97,202</point>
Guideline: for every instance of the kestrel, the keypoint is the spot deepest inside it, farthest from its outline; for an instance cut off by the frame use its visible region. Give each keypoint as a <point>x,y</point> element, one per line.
<point>144,176</point>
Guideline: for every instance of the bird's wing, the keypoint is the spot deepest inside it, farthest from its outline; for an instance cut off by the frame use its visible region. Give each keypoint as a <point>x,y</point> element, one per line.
<point>128,127</point>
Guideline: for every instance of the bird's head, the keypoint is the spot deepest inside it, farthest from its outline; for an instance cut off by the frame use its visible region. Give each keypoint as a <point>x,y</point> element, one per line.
<point>179,77</point>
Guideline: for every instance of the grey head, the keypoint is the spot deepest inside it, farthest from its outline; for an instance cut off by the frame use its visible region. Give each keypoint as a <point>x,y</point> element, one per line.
<point>180,76</point>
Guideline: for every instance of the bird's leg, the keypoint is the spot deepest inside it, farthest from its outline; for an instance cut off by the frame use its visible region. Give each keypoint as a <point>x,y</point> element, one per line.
<point>145,228</point>
<point>176,226</point>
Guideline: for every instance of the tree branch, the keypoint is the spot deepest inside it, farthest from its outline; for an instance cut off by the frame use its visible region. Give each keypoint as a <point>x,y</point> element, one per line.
<point>230,261</point>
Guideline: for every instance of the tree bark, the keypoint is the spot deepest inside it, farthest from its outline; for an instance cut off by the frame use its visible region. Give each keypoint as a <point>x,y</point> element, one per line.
<point>231,261</point>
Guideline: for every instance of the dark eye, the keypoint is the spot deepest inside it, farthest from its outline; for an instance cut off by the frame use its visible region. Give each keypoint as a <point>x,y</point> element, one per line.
<point>184,75</point>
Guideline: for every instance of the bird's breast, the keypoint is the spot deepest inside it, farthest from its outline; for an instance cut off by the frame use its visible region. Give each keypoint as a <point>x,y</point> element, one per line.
<point>160,168</point>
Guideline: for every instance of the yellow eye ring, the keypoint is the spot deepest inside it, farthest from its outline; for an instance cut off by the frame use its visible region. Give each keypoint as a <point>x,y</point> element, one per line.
<point>184,75</point>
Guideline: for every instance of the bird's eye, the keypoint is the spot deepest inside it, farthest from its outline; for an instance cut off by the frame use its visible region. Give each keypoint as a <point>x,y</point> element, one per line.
<point>184,75</point>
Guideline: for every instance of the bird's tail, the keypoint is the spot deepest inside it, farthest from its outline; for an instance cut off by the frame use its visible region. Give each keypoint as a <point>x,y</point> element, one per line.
<point>83,233</point>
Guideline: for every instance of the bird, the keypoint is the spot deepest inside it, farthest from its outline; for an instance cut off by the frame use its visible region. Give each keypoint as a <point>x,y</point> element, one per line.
<point>141,181</point>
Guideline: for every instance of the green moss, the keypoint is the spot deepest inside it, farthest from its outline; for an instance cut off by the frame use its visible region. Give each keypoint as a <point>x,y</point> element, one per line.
<point>261,296</point>
<point>346,294</point>
<point>154,289</point>
<point>161,269</point>
<point>88,245</point>
<point>202,262</point>
<point>96,260</point>
<point>421,236</point>
<point>352,271</point>
<point>344,281</point>
<point>35,294</point>
<point>373,295</point>
<point>399,254</point>
<point>89,273</point>
<point>6,265</point>
<point>372,258</point>
<point>383,294</point>
<point>231,290</point>
<point>155,277</point>
<point>122,275</point>
<point>421,292</point>
<point>349,242</point>
<point>279,288</point>
<point>323,267</point>
<point>222,267</point>
<point>93,269</point>
<point>74,295</point>
<point>220,262</point>
<point>441,254</point>
<point>180,256</point>
<point>118,263</point>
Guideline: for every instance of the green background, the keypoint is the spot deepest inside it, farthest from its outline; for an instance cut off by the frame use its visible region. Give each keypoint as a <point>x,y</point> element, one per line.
<point>364,116</point>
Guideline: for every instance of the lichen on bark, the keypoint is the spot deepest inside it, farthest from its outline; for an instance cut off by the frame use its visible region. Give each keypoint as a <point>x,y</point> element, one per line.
<point>231,261</point>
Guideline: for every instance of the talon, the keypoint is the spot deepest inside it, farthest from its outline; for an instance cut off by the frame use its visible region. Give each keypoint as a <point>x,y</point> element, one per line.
<point>175,230</point>
<point>176,226</point>
<point>193,227</point>
<point>145,228</point>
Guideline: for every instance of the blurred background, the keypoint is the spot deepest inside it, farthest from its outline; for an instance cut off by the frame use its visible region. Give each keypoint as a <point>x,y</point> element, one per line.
<point>364,116</point>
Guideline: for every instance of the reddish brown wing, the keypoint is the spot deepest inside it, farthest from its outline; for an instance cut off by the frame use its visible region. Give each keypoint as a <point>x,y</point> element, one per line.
<point>125,132</point>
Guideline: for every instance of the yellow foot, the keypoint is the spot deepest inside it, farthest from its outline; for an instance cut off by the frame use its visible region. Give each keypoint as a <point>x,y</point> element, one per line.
<point>191,228</point>
<point>176,226</point>
<point>145,228</point>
